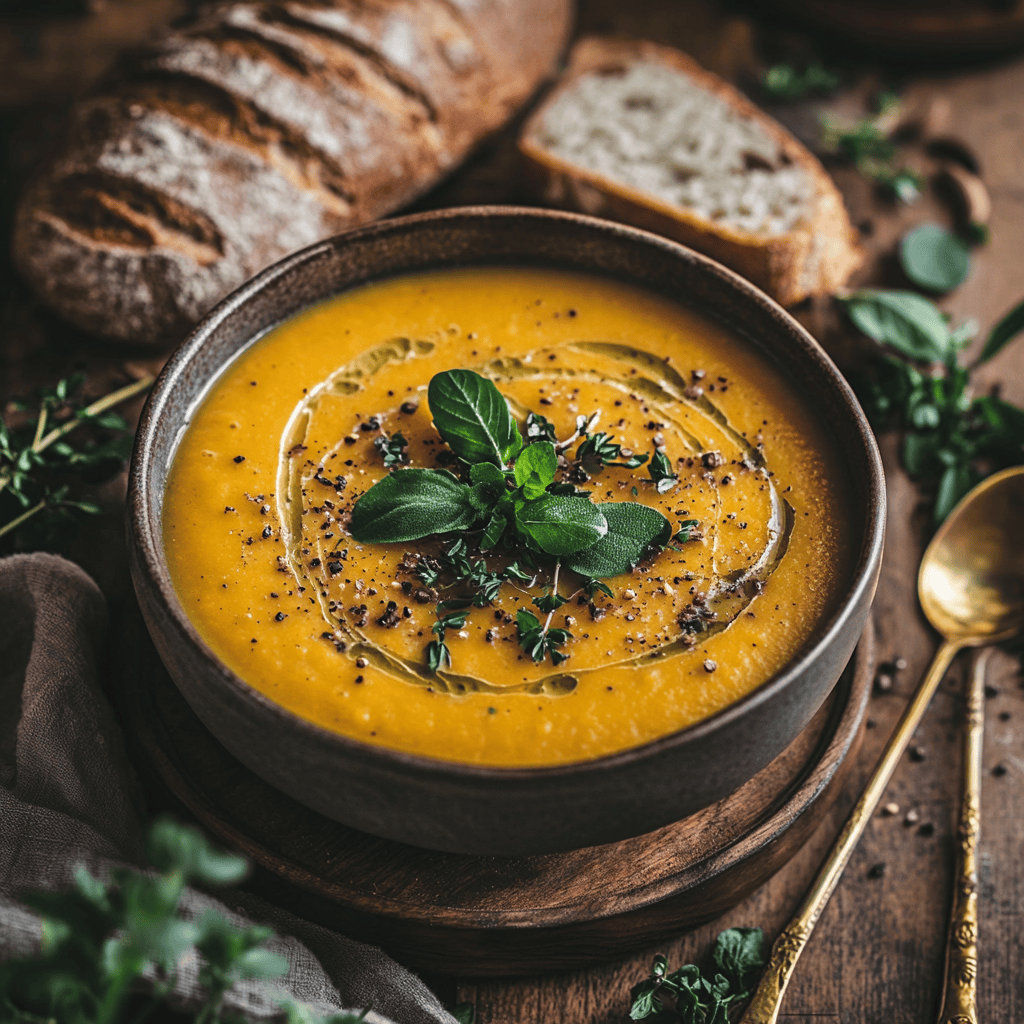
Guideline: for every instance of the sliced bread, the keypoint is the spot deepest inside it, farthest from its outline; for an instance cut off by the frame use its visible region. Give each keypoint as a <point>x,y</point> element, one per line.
<point>641,133</point>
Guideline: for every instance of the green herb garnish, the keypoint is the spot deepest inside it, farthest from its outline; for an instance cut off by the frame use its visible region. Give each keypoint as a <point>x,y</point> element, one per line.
<point>38,466</point>
<point>393,450</point>
<point>934,258</point>
<point>953,438</point>
<point>662,473</point>
<point>504,492</point>
<point>693,996</point>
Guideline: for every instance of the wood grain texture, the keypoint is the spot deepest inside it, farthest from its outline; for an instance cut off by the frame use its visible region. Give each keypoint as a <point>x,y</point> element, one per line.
<point>492,915</point>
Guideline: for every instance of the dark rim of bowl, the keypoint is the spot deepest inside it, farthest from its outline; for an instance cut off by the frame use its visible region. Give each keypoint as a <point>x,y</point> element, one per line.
<point>154,564</point>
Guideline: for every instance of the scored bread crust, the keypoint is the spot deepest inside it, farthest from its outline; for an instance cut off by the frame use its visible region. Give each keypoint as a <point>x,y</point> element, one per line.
<point>816,256</point>
<point>257,128</point>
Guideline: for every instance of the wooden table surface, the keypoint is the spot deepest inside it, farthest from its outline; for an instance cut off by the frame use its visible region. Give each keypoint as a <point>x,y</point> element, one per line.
<point>877,952</point>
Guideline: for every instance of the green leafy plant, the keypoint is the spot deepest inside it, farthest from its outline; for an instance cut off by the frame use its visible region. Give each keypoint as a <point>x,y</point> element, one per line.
<point>38,465</point>
<point>953,437</point>
<point>505,493</point>
<point>111,948</point>
<point>693,996</point>
<point>787,82</point>
<point>934,258</point>
<point>866,144</point>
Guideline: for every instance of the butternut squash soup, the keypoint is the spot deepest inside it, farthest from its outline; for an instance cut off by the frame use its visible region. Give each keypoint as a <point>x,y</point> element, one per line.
<point>505,516</point>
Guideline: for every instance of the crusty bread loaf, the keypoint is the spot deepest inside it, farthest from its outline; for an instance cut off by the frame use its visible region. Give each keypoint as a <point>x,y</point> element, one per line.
<point>640,133</point>
<point>258,128</point>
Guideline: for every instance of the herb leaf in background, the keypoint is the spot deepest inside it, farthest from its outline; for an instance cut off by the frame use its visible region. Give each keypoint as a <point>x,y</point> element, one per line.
<point>952,438</point>
<point>786,82</point>
<point>934,258</point>
<point>103,937</point>
<point>868,147</point>
<point>1003,333</point>
<point>906,321</point>
<point>694,996</point>
<point>472,417</point>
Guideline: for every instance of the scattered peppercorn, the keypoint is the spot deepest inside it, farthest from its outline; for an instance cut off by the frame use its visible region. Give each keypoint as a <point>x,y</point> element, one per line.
<point>876,871</point>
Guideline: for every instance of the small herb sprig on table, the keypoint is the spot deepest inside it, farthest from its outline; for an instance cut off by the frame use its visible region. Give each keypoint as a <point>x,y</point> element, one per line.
<point>785,81</point>
<point>869,148</point>
<point>953,437</point>
<point>693,996</point>
<point>38,464</point>
<point>112,948</point>
<point>507,497</point>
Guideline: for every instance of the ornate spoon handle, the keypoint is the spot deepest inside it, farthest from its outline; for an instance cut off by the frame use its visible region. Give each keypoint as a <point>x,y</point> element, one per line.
<point>764,1007</point>
<point>960,992</point>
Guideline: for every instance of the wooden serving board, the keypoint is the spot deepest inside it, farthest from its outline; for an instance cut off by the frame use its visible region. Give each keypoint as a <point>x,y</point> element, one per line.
<point>474,915</point>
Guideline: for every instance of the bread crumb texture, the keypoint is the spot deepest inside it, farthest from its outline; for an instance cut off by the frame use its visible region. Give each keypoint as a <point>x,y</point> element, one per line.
<point>656,129</point>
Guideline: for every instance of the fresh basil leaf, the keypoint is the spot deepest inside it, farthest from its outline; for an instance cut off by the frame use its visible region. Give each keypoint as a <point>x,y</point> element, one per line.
<point>561,525</point>
<point>906,321</point>
<point>410,504</point>
<point>473,417</point>
<point>632,530</point>
<point>740,954</point>
<point>1003,333</point>
<point>535,468</point>
<point>934,258</point>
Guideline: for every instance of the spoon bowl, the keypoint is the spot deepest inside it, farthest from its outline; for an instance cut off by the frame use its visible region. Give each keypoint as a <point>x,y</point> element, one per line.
<point>971,582</point>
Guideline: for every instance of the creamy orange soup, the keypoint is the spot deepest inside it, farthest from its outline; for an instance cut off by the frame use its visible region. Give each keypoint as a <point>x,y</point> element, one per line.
<point>258,501</point>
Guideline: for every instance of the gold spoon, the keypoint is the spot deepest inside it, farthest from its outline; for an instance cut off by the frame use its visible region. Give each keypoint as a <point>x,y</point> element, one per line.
<point>971,587</point>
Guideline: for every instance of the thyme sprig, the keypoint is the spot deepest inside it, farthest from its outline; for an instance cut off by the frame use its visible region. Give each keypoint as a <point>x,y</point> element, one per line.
<point>36,460</point>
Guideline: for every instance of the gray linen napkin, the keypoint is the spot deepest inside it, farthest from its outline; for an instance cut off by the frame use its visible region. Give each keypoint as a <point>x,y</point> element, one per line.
<point>68,796</point>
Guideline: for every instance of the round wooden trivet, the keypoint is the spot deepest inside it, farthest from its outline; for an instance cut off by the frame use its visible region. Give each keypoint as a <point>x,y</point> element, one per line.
<point>450,913</point>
